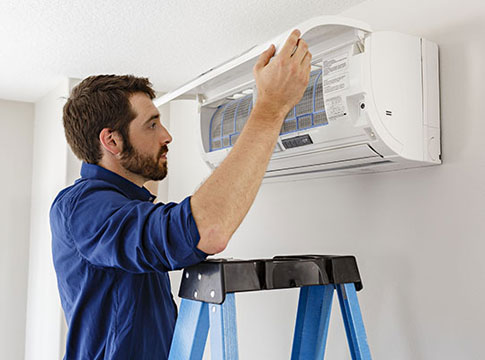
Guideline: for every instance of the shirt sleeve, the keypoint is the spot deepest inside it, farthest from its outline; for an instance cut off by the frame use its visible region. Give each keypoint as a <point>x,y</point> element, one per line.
<point>110,230</point>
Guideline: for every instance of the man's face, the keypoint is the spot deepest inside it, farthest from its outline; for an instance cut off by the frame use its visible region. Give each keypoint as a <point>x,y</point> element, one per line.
<point>145,152</point>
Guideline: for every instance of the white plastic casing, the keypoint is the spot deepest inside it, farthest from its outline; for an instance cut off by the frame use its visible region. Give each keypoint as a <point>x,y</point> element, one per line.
<point>381,95</point>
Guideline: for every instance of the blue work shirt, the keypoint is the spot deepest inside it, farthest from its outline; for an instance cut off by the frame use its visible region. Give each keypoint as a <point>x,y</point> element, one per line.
<point>112,248</point>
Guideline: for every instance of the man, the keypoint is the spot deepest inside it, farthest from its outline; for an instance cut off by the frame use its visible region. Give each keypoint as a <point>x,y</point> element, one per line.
<point>112,246</point>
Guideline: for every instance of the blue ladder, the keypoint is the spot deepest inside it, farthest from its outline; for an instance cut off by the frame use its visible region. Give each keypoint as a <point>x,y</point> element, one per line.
<point>208,301</point>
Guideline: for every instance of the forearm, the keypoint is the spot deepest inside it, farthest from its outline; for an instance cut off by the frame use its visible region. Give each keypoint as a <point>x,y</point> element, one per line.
<point>222,202</point>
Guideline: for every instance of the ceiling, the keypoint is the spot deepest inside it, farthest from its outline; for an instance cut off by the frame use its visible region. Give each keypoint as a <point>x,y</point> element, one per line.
<point>171,42</point>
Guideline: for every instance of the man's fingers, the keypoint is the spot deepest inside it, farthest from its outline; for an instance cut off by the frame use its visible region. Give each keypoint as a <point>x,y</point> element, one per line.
<point>264,58</point>
<point>307,60</point>
<point>290,44</point>
<point>301,51</point>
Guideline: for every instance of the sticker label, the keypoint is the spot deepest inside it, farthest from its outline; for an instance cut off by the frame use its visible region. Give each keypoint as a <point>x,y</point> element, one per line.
<point>336,83</point>
<point>336,107</point>
<point>335,79</point>
<point>336,63</point>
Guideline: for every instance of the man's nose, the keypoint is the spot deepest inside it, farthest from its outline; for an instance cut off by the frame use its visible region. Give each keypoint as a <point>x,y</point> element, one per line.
<point>166,138</point>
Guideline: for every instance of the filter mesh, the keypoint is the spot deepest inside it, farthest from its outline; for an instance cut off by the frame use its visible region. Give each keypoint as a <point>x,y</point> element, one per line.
<point>289,126</point>
<point>320,119</point>
<point>305,106</point>
<point>216,144</point>
<point>228,122</point>
<point>305,122</point>
<point>234,139</point>
<point>229,119</point>
<point>243,110</point>
<point>319,105</point>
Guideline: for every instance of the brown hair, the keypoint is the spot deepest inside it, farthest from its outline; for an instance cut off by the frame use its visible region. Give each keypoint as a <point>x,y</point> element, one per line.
<point>100,102</point>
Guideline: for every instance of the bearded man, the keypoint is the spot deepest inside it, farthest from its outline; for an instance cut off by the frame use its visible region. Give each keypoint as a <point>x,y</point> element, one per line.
<point>112,246</point>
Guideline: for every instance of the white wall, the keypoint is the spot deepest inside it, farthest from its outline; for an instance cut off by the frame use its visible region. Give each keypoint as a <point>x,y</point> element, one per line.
<point>53,169</point>
<point>162,193</point>
<point>417,234</point>
<point>184,173</point>
<point>16,134</point>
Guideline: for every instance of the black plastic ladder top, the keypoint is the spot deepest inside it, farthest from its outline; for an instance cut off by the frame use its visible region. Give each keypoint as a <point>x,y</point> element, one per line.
<point>211,280</point>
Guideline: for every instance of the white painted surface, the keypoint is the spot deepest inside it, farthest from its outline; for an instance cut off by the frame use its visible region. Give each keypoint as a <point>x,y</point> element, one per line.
<point>171,42</point>
<point>417,234</point>
<point>186,173</point>
<point>44,315</point>
<point>16,135</point>
<point>163,185</point>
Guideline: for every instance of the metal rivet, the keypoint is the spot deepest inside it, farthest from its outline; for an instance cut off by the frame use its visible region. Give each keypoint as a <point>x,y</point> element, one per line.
<point>186,275</point>
<point>213,293</point>
<point>199,276</point>
<point>213,309</point>
<point>195,294</point>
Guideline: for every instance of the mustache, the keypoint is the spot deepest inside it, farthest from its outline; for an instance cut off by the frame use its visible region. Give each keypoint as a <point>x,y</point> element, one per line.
<point>163,150</point>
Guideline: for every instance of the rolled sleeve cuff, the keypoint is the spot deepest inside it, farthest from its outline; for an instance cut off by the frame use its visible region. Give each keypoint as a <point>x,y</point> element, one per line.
<point>194,231</point>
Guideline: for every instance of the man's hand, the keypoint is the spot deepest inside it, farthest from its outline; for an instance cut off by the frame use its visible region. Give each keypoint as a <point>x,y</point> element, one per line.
<point>222,202</point>
<point>282,81</point>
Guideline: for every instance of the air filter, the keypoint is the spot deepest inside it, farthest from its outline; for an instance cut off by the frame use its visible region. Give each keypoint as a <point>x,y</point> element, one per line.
<point>229,118</point>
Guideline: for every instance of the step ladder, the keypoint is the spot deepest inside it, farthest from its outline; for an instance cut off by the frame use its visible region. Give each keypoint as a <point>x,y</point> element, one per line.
<point>208,301</point>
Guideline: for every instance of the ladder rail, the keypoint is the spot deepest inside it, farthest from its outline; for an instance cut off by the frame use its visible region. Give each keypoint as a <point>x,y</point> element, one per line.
<point>191,329</point>
<point>311,327</point>
<point>223,329</point>
<point>354,325</point>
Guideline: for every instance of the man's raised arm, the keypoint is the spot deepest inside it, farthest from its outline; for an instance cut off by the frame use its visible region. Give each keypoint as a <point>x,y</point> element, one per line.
<point>222,202</point>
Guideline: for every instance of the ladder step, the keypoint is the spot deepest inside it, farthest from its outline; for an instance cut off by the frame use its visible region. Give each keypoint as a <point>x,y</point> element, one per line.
<point>211,280</point>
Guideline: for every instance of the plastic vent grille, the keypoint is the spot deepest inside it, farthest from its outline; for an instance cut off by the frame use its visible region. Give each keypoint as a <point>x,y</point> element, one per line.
<point>229,119</point>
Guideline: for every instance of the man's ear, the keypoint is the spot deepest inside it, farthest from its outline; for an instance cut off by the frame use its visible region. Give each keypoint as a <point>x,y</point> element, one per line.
<point>111,141</point>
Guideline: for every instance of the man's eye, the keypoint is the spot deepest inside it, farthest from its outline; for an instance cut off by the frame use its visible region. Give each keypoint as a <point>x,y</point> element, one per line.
<point>153,125</point>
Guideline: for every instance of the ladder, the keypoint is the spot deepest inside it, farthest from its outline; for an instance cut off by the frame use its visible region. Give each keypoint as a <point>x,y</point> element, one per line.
<point>208,301</point>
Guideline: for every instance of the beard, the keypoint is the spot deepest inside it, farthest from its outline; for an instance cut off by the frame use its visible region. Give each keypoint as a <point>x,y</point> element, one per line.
<point>144,165</point>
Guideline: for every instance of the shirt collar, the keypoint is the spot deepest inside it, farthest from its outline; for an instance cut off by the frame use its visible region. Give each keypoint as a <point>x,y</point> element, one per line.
<point>131,190</point>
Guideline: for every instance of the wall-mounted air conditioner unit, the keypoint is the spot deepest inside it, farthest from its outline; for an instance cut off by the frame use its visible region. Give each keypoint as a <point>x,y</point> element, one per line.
<point>372,104</point>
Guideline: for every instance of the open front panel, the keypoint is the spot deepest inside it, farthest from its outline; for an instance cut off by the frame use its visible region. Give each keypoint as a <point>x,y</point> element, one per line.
<point>321,33</point>
<point>230,117</point>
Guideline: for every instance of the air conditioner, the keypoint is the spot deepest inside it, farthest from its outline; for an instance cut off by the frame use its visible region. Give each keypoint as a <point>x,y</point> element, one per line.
<point>372,104</point>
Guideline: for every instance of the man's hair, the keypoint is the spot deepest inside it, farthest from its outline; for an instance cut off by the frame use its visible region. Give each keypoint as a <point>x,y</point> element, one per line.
<point>100,102</point>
